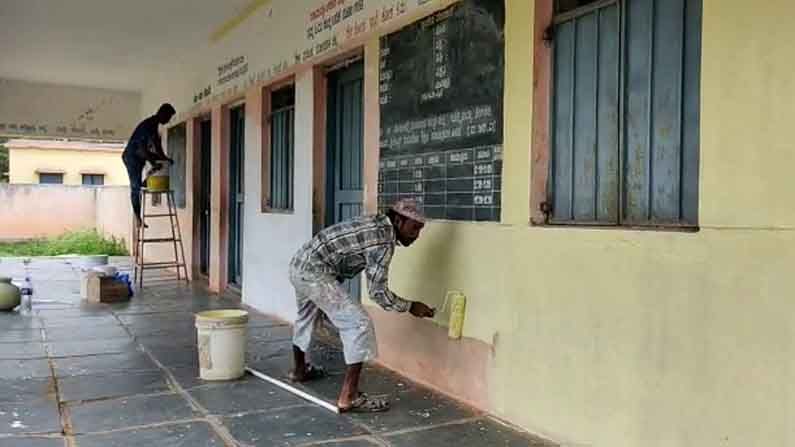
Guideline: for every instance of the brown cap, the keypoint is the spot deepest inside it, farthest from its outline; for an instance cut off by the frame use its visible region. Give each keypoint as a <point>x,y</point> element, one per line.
<point>409,208</point>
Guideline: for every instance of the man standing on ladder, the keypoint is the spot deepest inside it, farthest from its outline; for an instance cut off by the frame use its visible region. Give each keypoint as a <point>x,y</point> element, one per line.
<point>138,152</point>
<point>317,271</point>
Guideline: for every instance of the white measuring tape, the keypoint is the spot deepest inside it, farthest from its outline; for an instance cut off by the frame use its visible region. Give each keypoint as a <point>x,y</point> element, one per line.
<point>300,393</point>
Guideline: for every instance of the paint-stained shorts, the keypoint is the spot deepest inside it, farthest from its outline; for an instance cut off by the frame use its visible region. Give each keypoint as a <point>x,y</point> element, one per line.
<point>319,293</point>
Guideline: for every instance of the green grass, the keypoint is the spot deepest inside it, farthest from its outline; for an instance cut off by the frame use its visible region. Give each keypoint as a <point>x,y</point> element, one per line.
<point>88,242</point>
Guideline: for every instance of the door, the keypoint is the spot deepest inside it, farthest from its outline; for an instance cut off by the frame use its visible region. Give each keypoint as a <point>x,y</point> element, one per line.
<point>204,196</point>
<point>345,149</point>
<point>236,162</point>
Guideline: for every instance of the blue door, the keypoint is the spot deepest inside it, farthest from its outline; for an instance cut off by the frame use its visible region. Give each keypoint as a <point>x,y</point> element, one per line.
<point>204,196</point>
<point>345,148</point>
<point>236,159</point>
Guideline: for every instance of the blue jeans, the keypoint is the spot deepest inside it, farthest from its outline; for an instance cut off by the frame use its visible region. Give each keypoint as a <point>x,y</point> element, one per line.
<point>135,170</point>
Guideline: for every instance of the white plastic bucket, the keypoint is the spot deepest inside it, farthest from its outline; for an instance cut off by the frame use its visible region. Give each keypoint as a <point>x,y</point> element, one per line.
<point>89,262</point>
<point>222,344</point>
<point>105,270</point>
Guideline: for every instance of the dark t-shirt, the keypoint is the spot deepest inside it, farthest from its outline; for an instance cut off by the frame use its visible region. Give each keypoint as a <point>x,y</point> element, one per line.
<point>144,133</point>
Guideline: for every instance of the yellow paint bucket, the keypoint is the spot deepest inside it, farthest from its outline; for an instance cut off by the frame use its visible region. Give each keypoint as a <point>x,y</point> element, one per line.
<point>157,183</point>
<point>222,344</point>
<point>458,305</point>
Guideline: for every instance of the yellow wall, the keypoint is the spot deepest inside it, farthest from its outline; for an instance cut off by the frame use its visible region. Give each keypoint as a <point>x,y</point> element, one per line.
<point>626,338</point>
<point>644,338</point>
<point>73,163</point>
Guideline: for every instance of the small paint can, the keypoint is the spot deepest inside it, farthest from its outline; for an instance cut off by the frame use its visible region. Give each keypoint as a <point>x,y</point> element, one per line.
<point>458,304</point>
<point>157,183</point>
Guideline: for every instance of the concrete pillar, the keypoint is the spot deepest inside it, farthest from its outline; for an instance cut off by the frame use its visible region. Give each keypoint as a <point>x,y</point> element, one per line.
<point>372,123</point>
<point>187,217</point>
<point>253,176</point>
<point>219,198</point>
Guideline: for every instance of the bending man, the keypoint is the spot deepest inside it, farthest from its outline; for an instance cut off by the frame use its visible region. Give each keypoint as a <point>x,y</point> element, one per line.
<point>341,252</point>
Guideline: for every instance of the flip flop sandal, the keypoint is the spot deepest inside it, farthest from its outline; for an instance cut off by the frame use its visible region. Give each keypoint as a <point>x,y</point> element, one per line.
<point>312,373</point>
<point>366,404</point>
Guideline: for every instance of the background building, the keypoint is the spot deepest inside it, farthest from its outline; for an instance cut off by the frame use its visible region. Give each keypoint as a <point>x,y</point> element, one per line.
<point>66,162</point>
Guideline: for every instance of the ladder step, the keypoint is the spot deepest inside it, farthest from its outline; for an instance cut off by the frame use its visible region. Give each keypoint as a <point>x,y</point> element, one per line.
<point>174,263</point>
<point>159,215</point>
<point>161,239</point>
<point>160,265</point>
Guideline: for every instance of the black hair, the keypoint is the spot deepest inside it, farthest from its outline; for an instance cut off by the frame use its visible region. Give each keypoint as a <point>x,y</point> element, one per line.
<point>166,110</point>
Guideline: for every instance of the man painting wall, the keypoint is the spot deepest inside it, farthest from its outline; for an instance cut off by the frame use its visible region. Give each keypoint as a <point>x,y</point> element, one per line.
<point>317,272</point>
<point>145,146</point>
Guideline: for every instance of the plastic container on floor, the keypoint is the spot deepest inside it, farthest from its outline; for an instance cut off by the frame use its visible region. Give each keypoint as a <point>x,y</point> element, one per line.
<point>26,304</point>
<point>90,262</point>
<point>222,344</point>
<point>10,295</point>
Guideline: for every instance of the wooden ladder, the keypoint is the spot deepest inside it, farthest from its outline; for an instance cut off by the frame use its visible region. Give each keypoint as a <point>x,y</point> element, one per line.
<point>175,239</point>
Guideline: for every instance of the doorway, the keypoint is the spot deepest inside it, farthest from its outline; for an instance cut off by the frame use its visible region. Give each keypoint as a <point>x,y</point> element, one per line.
<point>237,128</point>
<point>345,149</point>
<point>205,170</point>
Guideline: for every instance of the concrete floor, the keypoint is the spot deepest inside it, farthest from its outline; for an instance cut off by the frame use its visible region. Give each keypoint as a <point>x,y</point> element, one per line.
<point>127,375</point>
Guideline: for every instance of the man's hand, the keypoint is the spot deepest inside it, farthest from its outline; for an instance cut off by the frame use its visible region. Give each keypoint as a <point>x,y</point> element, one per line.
<point>421,310</point>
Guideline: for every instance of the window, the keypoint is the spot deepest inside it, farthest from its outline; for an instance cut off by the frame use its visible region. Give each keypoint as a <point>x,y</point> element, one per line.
<point>93,179</point>
<point>282,149</point>
<point>564,6</point>
<point>623,116</point>
<point>176,142</point>
<point>50,178</point>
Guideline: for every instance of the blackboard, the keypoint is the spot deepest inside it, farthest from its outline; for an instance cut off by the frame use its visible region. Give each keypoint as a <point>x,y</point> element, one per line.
<point>441,96</point>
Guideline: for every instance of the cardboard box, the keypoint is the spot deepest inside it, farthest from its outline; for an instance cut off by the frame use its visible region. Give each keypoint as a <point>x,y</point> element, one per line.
<point>97,289</point>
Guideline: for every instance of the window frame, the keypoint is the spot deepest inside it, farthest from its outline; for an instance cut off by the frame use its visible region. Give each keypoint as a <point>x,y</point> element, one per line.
<point>83,179</point>
<point>267,149</point>
<point>178,183</point>
<point>59,174</point>
<point>580,10</point>
<point>545,19</point>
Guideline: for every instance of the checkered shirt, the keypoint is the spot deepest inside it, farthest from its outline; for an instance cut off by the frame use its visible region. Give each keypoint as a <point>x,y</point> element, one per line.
<point>344,250</point>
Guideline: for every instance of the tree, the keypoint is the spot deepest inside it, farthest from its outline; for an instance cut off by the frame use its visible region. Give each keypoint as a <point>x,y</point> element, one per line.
<point>3,162</point>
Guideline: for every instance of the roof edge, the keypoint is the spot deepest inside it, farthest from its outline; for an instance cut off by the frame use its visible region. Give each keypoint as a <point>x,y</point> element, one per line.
<point>66,145</point>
